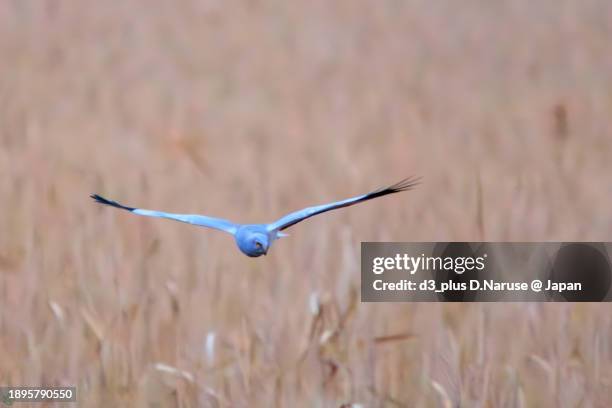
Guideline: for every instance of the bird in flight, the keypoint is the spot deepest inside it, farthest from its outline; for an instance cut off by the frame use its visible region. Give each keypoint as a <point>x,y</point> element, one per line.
<point>255,239</point>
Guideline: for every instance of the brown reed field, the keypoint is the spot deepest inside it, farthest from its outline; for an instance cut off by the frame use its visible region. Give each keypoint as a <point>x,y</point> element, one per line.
<point>248,110</point>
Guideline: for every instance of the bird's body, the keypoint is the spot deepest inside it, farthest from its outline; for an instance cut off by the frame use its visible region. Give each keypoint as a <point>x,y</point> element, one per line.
<point>255,239</point>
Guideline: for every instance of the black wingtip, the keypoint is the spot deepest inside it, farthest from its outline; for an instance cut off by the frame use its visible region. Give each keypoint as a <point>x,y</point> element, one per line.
<point>404,185</point>
<point>101,200</point>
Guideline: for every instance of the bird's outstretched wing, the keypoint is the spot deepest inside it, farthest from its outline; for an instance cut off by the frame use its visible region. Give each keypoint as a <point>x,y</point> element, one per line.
<point>200,220</point>
<point>295,217</point>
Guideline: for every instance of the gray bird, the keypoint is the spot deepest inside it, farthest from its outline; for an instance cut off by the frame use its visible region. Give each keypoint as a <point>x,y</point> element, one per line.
<point>255,239</point>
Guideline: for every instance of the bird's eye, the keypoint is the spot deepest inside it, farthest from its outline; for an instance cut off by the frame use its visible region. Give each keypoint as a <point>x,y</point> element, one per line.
<point>258,245</point>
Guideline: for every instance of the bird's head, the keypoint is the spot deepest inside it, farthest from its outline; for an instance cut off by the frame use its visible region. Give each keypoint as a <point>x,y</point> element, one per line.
<point>258,244</point>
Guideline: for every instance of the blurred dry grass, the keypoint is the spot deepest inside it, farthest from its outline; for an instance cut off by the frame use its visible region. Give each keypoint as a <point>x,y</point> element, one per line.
<point>248,110</point>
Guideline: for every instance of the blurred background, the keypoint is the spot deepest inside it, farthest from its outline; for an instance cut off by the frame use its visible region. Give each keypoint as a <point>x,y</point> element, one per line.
<point>248,110</point>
